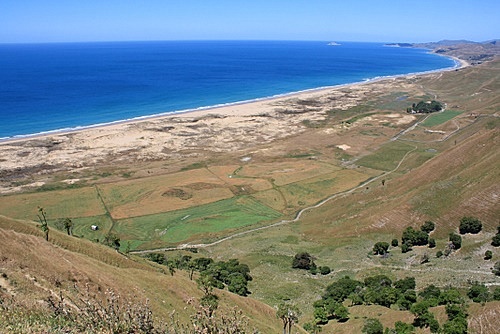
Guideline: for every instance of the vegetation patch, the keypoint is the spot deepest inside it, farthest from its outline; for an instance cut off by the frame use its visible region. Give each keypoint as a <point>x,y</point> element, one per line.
<point>177,192</point>
<point>194,223</point>
<point>440,118</point>
<point>387,157</point>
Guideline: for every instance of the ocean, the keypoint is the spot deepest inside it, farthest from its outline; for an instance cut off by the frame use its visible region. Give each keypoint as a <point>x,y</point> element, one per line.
<point>63,86</point>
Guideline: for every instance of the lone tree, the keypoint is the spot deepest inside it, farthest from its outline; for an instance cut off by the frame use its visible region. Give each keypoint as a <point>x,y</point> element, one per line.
<point>289,315</point>
<point>380,248</point>
<point>303,261</point>
<point>42,217</point>
<point>68,225</point>
<point>470,225</point>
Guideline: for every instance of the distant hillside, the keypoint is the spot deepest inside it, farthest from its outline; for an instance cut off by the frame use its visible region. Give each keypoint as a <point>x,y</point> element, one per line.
<point>473,52</point>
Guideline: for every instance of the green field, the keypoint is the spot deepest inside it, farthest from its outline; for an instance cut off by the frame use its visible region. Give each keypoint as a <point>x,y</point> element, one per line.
<point>440,118</point>
<point>183,225</point>
<point>386,157</point>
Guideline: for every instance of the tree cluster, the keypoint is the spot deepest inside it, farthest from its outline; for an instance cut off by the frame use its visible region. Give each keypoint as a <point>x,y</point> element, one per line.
<point>231,274</point>
<point>424,107</point>
<point>304,260</point>
<point>380,290</point>
<point>412,237</point>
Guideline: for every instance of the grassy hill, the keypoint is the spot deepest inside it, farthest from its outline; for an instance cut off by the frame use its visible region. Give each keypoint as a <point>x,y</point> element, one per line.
<point>395,172</point>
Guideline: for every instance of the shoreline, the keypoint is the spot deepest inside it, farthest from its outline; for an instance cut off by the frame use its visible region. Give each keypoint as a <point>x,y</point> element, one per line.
<point>459,63</point>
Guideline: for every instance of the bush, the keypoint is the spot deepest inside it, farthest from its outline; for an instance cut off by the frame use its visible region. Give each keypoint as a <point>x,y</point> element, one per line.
<point>496,268</point>
<point>478,293</point>
<point>414,237</point>
<point>488,255</point>
<point>380,248</point>
<point>495,242</point>
<point>456,240</point>
<point>373,326</point>
<point>432,243</point>
<point>470,225</point>
<point>428,227</point>
<point>405,248</point>
<point>303,261</point>
<point>439,254</point>
<point>394,243</point>
<point>325,270</point>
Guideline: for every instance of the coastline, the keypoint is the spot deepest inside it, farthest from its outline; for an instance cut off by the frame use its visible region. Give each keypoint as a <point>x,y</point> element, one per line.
<point>169,143</point>
<point>197,112</point>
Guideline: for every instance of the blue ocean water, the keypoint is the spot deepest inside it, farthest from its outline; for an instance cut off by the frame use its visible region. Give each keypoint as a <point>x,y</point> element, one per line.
<point>48,87</point>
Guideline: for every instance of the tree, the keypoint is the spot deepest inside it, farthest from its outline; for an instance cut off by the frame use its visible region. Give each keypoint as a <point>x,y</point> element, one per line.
<point>488,255</point>
<point>405,284</point>
<point>431,295</point>
<point>428,227</point>
<point>470,225</point>
<point>303,261</point>
<point>495,242</point>
<point>394,243</point>
<point>289,315</point>
<point>456,240</point>
<point>479,293</point>
<point>432,242</point>
<point>405,248</point>
<point>44,226</point>
<point>413,237</point>
<point>112,240</point>
<point>403,328</point>
<point>68,225</point>
<point>380,248</point>
<point>210,302</point>
<point>496,268</point>
<point>423,317</point>
<point>450,295</point>
<point>324,270</point>
<point>373,326</point>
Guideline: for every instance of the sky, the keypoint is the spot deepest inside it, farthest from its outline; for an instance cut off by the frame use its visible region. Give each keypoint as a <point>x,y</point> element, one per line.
<point>41,21</point>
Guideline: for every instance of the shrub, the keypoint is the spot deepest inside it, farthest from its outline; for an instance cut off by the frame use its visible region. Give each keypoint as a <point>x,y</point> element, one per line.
<point>325,270</point>
<point>488,255</point>
<point>303,261</point>
<point>405,248</point>
<point>470,225</point>
<point>414,237</point>
<point>432,243</point>
<point>496,268</point>
<point>439,254</point>
<point>394,243</point>
<point>478,293</point>
<point>495,242</point>
<point>380,248</point>
<point>456,240</point>
<point>428,227</point>
<point>373,326</point>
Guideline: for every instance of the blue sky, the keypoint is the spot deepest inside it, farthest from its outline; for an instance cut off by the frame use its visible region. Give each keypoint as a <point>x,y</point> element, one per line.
<point>346,20</point>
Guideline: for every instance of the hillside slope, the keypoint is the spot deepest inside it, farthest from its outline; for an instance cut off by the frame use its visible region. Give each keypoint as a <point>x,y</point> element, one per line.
<point>32,270</point>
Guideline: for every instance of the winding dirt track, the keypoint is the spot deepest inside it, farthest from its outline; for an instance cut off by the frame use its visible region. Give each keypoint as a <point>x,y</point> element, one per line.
<point>301,212</point>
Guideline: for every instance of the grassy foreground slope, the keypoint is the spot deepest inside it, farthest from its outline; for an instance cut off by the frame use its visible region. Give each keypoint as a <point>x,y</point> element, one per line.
<point>32,270</point>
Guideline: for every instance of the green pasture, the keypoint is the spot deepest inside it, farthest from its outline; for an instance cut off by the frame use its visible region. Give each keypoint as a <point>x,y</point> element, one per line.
<point>197,222</point>
<point>440,118</point>
<point>82,227</point>
<point>386,157</point>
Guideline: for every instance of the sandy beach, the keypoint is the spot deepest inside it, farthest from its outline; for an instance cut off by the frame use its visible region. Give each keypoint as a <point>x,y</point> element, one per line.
<point>198,133</point>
